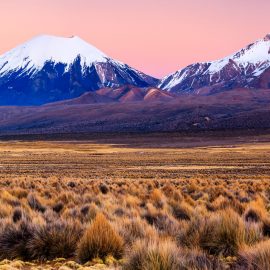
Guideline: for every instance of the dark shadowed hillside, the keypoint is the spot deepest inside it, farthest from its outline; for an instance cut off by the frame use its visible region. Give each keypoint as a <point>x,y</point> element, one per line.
<point>236,109</point>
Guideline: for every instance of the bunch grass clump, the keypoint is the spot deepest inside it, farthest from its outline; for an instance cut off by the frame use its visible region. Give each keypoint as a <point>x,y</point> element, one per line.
<point>163,255</point>
<point>54,240</point>
<point>99,241</point>
<point>223,233</point>
<point>255,257</point>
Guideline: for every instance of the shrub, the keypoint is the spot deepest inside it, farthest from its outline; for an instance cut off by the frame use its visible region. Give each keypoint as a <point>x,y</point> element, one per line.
<point>253,232</point>
<point>55,240</point>
<point>190,232</point>
<point>19,192</point>
<point>255,257</point>
<point>88,212</point>
<point>221,203</point>
<point>163,255</point>
<point>223,233</point>
<point>253,215</point>
<point>103,188</point>
<point>14,239</point>
<point>5,210</point>
<point>71,184</point>
<point>266,227</point>
<point>182,211</point>
<point>50,216</point>
<point>256,211</point>
<point>162,221</point>
<point>158,198</point>
<point>17,215</point>
<point>99,241</point>
<point>8,198</point>
<point>58,207</point>
<point>198,260</point>
<point>135,229</point>
<point>35,204</point>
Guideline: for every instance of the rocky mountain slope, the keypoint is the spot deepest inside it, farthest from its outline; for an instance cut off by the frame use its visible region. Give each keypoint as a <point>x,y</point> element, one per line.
<point>249,67</point>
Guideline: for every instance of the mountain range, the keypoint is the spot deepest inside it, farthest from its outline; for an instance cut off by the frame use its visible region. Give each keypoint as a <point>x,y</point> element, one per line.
<point>47,69</point>
<point>80,89</point>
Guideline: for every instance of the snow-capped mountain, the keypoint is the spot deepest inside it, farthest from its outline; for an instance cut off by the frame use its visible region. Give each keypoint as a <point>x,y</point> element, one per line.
<point>249,67</point>
<point>49,68</point>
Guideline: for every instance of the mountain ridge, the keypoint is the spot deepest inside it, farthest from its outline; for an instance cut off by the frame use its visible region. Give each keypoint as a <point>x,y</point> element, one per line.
<point>50,69</point>
<point>240,69</point>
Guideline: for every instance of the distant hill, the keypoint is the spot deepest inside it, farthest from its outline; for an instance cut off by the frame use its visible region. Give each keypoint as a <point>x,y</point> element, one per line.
<point>235,109</point>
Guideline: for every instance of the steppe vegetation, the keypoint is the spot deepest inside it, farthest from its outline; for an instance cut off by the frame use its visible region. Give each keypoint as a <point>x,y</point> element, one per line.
<point>88,205</point>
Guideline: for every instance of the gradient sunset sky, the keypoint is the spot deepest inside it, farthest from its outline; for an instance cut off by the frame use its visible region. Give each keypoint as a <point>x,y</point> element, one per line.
<point>154,36</point>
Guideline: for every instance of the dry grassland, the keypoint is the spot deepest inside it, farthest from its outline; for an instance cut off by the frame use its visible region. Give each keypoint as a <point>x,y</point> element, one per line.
<point>134,206</point>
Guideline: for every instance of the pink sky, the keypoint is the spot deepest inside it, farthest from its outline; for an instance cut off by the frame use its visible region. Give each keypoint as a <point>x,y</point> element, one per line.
<point>155,36</point>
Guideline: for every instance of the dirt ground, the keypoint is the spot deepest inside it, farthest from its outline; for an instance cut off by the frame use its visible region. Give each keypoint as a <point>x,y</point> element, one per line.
<point>159,158</point>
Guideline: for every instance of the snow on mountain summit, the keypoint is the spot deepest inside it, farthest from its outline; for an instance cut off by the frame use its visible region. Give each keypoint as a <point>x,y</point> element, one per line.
<point>238,69</point>
<point>257,53</point>
<point>48,68</point>
<point>32,55</point>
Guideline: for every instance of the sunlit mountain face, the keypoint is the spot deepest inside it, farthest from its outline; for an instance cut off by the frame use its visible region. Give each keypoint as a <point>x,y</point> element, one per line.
<point>246,68</point>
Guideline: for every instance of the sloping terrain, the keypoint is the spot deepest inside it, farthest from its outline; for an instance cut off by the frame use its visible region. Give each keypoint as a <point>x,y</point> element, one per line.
<point>246,68</point>
<point>236,109</point>
<point>123,94</point>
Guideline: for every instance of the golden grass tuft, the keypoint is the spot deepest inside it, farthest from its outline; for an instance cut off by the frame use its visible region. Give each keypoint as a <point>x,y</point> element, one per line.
<point>163,255</point>
<point>99,241</point>
<point>255,257</point>
<point>223,233</point>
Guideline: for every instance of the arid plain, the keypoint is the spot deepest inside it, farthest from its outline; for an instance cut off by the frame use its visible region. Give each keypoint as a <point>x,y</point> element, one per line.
<point>154,201</point>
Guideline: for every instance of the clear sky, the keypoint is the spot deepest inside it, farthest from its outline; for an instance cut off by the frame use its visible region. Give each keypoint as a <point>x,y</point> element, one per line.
<point>155,36</point>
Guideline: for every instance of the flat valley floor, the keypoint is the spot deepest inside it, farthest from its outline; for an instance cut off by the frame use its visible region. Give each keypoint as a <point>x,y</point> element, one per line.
<point>152,157</point>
